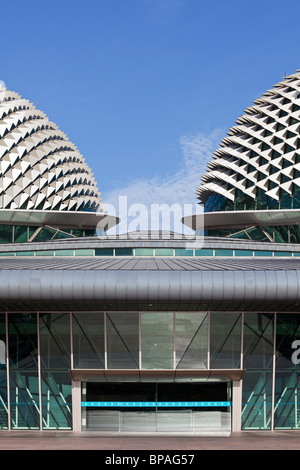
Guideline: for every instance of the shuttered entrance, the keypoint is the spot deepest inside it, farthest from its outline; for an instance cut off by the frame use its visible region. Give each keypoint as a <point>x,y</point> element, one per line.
<point>157,407</point>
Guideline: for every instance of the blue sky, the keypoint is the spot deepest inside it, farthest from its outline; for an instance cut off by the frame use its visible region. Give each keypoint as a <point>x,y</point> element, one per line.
<point>146,89</point>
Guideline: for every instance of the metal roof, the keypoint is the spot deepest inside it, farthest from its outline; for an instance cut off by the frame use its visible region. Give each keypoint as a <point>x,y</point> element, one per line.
<point>151,264</point>
<point>150,284</point>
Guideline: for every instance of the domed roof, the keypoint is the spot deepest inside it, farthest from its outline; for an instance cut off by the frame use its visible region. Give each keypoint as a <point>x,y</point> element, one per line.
<point>40,169</point>
<point>257,165</point>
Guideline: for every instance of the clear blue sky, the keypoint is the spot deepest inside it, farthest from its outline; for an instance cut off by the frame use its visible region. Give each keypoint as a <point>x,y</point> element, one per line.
<point>128,80</point>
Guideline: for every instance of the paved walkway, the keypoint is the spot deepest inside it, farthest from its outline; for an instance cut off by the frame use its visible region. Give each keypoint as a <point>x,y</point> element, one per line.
<point>49,440</point>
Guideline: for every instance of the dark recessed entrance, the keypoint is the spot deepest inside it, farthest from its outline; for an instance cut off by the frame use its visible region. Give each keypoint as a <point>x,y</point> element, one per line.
<point>156,407</point>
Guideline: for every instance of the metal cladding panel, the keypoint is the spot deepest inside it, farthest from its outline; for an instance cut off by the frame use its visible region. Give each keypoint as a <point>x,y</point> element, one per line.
<point>159,286</point>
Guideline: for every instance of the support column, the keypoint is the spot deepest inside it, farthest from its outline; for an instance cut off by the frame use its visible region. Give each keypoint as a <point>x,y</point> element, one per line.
<point>236,425</point>
<point>76,405</point>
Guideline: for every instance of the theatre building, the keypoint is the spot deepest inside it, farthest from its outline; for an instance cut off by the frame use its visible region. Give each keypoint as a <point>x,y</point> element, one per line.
<point>196,334</point>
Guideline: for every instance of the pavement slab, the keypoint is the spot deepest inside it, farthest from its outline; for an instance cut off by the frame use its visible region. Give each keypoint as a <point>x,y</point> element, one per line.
<point>53,440</point>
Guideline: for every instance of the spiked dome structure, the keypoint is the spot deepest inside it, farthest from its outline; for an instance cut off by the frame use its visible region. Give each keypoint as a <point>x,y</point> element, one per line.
<point>41,171</point>
<point>255,173</point>
<point>261,154</point>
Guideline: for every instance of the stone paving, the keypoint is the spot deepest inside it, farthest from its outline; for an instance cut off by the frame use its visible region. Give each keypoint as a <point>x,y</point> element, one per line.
<point>49,440</point>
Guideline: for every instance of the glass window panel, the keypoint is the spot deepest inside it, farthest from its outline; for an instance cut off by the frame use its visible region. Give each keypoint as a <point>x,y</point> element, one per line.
<point>61,235</point>
<point>56,400</point>
<point>286,406</point>
<point>6,233</point>
<point>55,340</point>
<point>45,234</point>
<point>23,360</point>
<point>157,340</point>
<point>122,331</point>
<point>263,253</point>
<point>45,253</point>
<point>20,233</point>
<point>257,399</point>
<point>123,251</point>
<point>104,251</point>
<point>204,252</point>
<point>191,340</point>
<point>3,400</point>
<point>258,341</point>
<point>287,385</point>
<point>258,361</point>
<point>184,252</point>
<point>164,252</point>
<point>287,331</point>
<point>294,233</point>
<point>64,253</point>
<point>22,340</point>
<point>25,253</point>
<point>24,398</point>
<point>84,252</point>
<point>88,340</point>
<point>243,253</point>
<point>221,252</point>
<point>143,252</point>
<point>282,253</point>
<point>77,232</point>
<point>225,340</point>
<point>31,231</point>
<point>3,375</point>
<point>2,341</point>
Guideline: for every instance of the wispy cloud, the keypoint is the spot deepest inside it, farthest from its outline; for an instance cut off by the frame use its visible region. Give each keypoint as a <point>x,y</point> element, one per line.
<point>173,189</point>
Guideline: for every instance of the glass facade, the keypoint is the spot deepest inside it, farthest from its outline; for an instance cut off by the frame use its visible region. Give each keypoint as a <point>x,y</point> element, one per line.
<point>242,201</point>
<point>272,233</point>
<point>38,350</point>
<point>27,233</point>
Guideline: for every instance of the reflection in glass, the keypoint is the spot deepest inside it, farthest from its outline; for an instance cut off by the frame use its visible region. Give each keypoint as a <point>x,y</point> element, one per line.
<point>56,400</point>
<point>191,340</point>
<point>88,340</point>
<point>23,361</point>
<point>24,396</point>
<point>287,383</point>
<point>258,361</point>
<point>3,375</point>
<point>122,331</point>
<point>55,340</point>
<point>225,340</point>
<point>55,363</point>
<point>157,340</point>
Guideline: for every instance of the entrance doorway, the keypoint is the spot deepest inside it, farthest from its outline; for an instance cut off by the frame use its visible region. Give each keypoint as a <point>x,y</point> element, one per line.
<point>187,407</point>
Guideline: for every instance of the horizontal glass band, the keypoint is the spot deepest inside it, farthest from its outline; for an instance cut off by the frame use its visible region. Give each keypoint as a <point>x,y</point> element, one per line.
<point>164,404</point>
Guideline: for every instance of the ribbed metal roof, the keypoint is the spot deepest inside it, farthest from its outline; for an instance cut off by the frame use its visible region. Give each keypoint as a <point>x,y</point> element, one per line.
<point>149,284</point>
<point>150,264</point>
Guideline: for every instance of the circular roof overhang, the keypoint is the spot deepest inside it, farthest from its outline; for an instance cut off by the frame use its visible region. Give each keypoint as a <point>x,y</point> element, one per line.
<point>61,219</point>
<point>239,219</point>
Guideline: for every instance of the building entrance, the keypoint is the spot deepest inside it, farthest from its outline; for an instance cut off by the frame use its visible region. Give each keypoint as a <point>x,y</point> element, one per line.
<point>188,407</point>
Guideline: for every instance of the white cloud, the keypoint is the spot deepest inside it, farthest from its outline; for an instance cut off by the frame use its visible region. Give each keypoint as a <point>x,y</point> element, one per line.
<point>177,189</point>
